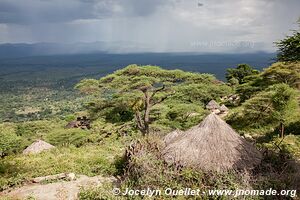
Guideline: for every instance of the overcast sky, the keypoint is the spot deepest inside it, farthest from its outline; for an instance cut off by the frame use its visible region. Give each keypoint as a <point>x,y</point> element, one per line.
<point>151,25</point>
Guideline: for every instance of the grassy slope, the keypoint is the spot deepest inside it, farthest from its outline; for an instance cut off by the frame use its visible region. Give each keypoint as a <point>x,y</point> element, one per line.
<point>90,159</point>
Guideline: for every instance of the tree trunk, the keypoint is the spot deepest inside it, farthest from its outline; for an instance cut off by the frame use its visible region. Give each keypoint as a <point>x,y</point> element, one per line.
<point>282,130</point>
<point>144,121</point>
<point>147,112</point>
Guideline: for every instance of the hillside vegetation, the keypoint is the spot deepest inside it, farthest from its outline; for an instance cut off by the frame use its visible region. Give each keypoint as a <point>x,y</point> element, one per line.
<point>268,115</point>
<point>133,108</point>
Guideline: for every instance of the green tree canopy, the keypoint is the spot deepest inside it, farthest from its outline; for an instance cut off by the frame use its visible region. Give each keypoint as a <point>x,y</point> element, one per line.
<point>276,104</point>
<point>137,89</point>
<point>288,73</point>
<point>9,141</point>
<point>280,72</point>
<point>239,73</point>
<point>289,48</point>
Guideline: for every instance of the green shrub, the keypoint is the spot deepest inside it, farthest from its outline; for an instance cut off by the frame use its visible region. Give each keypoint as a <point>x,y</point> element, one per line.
<point>277,104</point>
<point>69,118</point>
<point>34,129</point>
<point>9,141</point>
<point>60,137</point>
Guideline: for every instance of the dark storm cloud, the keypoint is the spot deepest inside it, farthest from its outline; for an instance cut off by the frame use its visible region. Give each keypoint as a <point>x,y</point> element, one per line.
<point>37,11</point>
<point>155,25</point>
<point>57,11</point>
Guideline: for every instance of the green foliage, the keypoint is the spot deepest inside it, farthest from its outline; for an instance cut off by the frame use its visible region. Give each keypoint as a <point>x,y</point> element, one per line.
<point>119,113</point>
<point>103,192</point>
<point>89,160</point>
<point>9,141</point>
<point>200,93</point>
<point>289,48</point>
<point>288,73</point>
<point>62,137</point>
<point>69,118</point>
<point>133,92</point>
<point>293,128</point>
<point>35,129</point>
<point>177,115</point>
<point>233,82</point>
<point>276,104</point>
<point>253,85</point>
<point>239,73</point>
<point>177,101</point>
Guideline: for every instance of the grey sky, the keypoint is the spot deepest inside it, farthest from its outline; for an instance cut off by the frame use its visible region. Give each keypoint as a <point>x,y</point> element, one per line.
<point>151,25</point>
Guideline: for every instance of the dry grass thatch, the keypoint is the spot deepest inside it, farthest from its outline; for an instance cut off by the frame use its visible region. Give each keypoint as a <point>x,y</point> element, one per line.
<point>223,108</point>
<point>38,147</point>
<point>170,137</point>
<point>212,105</point>
<point>212,146</point>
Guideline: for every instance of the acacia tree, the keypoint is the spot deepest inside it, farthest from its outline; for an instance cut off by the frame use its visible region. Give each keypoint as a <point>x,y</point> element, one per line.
<point>288,73</point>
<point>289,47</point>
<point>139,88</point>
<point>275,105</point>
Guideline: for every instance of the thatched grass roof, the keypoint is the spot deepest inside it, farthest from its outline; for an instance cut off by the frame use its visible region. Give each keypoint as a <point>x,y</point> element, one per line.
<point>223,108</point>
<point>212,146</point>
<point>38,147</point>
<point>212,105</point>
<point>170,137</point>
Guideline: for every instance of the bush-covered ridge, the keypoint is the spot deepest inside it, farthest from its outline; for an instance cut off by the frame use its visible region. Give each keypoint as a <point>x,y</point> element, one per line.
<point>268,116</point>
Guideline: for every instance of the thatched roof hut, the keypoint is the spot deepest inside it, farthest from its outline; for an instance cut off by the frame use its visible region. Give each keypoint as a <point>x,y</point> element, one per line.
<point>169,138</point>
<point>223,108</point>
<point>37,147</point>
<point>212,105</point>
<point>212,146</point>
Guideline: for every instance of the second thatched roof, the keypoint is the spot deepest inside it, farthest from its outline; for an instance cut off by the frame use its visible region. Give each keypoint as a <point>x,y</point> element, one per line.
<point>212,105</point>
<point>224,108</point>
<point>37,147</point>
<point>212,146</point>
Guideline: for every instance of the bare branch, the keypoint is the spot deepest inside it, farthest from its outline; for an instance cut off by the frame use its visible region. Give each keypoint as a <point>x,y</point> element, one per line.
<point>158,90</point>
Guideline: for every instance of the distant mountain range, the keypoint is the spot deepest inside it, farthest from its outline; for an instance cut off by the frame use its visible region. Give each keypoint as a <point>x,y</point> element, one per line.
<point>17,50</point>
<point>38,49</point>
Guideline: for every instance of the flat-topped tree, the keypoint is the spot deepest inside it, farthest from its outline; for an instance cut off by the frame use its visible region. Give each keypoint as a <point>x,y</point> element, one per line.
<point>139,88</point>
<point>289,47</point>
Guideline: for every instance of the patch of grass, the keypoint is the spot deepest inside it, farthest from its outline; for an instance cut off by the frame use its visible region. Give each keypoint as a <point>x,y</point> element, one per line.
<point>89,160</point>
<point>103,192</point>
<point>61,137</point>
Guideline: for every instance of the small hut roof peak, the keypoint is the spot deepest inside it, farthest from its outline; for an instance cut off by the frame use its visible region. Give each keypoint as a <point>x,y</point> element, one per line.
<point>212,105</point>
<point>223,108</point>
<point>37,147</point>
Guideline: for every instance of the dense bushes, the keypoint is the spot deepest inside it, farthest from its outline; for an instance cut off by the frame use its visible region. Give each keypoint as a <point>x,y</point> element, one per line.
<point>277,73</point>
<point>9,141</point>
